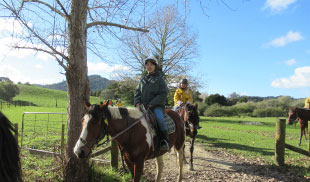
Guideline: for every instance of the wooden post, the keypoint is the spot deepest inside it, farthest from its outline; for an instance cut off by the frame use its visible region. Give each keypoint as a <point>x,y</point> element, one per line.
<point>114,154</point>
<point>308,138</point>
<point>280,142</point>
<point>16,131</point>
<point>62,140</point>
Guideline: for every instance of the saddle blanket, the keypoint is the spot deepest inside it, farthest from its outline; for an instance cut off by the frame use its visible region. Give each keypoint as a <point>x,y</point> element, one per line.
<point>170,123</point>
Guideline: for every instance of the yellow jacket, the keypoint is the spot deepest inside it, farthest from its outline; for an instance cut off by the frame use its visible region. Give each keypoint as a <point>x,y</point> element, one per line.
<point>119,104</point>
<point>183,95</point>
<point>307,102</point>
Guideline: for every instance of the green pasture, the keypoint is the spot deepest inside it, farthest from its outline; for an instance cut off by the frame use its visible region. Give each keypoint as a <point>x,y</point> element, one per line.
<point>245,136</point>
<point>252,138</point>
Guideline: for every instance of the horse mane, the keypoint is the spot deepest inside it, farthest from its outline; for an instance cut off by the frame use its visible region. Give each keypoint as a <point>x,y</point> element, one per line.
<point>10,169</point>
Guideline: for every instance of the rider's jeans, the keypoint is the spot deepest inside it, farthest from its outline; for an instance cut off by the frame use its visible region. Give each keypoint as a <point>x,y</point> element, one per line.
<point>160,119</point>
<point>176,108</point>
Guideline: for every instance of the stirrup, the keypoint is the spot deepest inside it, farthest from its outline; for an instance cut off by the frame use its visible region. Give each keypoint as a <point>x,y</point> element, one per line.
<point>164,145</point>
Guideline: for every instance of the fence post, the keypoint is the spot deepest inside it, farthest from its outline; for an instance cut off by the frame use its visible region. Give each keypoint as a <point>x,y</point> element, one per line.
<point>16,132</point>
<point>62,139</point>
<point>114,154</point>
<point>280,142</point>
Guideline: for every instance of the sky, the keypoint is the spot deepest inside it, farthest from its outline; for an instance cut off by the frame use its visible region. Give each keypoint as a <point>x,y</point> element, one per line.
<point>251,47</point>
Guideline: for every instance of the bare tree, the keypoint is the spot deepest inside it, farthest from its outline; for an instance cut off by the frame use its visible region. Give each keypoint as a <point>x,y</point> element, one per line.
<point>61,28</point>
<point>169,38</point>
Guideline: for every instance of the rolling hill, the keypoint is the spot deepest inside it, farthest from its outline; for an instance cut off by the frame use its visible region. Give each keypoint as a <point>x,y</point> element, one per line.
<point>96,82</point>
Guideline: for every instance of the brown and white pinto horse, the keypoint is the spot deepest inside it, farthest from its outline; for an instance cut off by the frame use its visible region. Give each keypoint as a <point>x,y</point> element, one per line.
<point>304,116</point>
<point>189,114</point>
<point>129,127</point>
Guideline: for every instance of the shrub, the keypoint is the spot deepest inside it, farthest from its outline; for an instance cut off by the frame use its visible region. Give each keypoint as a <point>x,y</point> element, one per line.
<point>270,112</point>
<point>201,108</point>
<point>8,90</point>
<point>216,110</point>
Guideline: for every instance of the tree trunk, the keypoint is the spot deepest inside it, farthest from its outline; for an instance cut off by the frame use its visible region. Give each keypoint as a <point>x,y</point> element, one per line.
<point>78,88</point>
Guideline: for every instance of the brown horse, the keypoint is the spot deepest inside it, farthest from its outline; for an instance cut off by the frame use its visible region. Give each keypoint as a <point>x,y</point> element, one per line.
<point>189,114</point>
<point>304,116</point>
<point>130,128</point>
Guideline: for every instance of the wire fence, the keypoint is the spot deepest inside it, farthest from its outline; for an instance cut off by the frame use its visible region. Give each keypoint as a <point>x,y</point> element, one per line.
<point>43,131</point>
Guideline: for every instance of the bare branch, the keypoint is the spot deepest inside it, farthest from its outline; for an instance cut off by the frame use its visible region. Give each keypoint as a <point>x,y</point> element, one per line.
<point>65,14</point>
<point>61,63</point>
<point>63,8</point>
<point>103,23</point>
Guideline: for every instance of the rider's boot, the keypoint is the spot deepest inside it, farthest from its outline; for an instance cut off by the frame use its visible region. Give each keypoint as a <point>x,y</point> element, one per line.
<point>164,144</point>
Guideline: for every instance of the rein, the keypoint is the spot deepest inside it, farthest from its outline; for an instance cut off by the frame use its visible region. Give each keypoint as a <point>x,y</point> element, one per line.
<point>122,132</point>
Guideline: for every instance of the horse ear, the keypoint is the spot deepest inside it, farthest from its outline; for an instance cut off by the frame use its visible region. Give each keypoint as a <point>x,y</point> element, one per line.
<point>103,104</point>
<point>87,104</point>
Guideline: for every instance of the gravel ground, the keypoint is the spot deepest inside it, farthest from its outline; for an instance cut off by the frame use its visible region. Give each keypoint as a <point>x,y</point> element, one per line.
<point>219,165</point>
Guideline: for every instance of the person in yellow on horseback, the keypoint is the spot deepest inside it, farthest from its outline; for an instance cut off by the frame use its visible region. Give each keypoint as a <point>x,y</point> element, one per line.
<point>119,103</point>
<point>182,95</point>
<point>307,103</point>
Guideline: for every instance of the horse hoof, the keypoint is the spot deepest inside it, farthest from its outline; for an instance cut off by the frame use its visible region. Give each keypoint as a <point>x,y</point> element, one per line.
<point>191,168</point>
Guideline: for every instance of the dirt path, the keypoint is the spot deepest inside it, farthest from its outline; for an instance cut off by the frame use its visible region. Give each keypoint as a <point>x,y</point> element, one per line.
<point>219,166</point>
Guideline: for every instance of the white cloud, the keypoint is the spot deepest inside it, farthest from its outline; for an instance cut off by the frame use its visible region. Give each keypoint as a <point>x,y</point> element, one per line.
<point>290,62</point>
<point>10,25</point>
<point>283,40</point>
<point>244,94</point>
<point>300,79</point>
<point>278,5</point>
<point>106,70</point>
<point>12,73</point>
<point>38,66</point>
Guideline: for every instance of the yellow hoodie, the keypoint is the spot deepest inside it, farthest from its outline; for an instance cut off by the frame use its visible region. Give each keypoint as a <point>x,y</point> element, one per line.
<point>183,95</point>
<point>307,102</point>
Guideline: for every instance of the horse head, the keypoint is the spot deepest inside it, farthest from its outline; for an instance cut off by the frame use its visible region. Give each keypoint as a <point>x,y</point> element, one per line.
<point>94,128</point>
<point>292,116</point>
<point>192,117</point>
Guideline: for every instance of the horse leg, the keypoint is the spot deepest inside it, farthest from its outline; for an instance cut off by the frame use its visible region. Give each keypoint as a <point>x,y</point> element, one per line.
<point>184,158</point>
<point>138,170</point>
<point>180,162</point>
<point>130,166</point>
<point>305,133</point>
<point>301,133</point>
<point>160,165</point>
<point>191,167</point>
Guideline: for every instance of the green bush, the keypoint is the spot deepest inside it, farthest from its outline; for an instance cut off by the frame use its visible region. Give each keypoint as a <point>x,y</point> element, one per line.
<point>244,109</point>
<point>216,110</point>
<point>269,112</point>
<point>201,108</point>
<point>8,90</point>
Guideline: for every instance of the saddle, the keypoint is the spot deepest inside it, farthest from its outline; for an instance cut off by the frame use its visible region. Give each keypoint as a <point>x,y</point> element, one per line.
<point>154,128</point>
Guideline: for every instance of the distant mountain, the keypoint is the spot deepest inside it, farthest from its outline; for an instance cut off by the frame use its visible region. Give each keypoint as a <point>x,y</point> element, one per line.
<point>96,83</point>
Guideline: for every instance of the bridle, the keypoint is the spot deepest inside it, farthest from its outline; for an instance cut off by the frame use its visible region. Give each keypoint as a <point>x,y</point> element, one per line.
<point>294,112</point>
<point>104,132</point>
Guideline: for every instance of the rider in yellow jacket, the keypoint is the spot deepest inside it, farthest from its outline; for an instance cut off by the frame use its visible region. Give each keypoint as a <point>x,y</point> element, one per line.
<point>307,103</point>
<point>183,94</point>
<point>119,103</point>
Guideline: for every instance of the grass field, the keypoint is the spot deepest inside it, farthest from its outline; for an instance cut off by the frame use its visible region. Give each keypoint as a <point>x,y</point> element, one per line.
<point>246,136</point>
<point>252,138</point>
